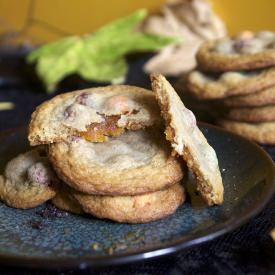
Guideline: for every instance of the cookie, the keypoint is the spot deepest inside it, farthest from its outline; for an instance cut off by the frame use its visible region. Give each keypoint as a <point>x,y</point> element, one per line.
<point>252,114</point>
<point>206,86</point>
<point>136,162</point>
<point>259,132</point>
<point>28,180</point>
<point>247,51</point>
<point>93,114</point>
<point>188,141</point>
<point>133,209</point>
<point>65,201</point>
<point>261,98</point>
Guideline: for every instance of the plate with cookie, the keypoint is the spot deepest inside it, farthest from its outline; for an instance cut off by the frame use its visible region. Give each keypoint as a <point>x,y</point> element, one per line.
<point>117,174</point>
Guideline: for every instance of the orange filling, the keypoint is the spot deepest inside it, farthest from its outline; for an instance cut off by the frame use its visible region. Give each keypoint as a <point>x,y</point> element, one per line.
<point>99,132</point>
<point>169,133</point>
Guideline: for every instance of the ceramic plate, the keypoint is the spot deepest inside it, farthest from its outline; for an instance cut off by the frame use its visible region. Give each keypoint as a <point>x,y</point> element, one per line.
<point>66,241</point>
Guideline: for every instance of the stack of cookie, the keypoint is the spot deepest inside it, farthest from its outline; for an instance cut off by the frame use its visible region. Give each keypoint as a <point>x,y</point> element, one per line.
<point>238,73</point>
<point>110,157</point>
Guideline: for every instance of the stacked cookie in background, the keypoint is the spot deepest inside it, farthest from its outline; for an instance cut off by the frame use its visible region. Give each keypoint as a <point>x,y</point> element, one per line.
<point>235,83</point>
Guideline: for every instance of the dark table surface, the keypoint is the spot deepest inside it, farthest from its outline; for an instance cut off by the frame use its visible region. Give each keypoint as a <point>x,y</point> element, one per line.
<point>247,250</point>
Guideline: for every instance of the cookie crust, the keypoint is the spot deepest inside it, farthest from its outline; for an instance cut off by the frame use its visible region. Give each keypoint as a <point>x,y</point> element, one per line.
<point>204,86</point>
<point>133,209</point>
<point>252,114</point>
<point>211,61</point>
<point>188,141</point>
<point>259,132</point>
<point>65,201</point>
<point>261,98</point>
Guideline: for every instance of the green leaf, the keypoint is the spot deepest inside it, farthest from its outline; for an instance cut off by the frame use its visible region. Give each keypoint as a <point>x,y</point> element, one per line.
<point>53,68</point>
<point>99,56</point>
<point>54,48</point>
<point>97,70</point>
<point>121,45</point>
<point>124,24</point>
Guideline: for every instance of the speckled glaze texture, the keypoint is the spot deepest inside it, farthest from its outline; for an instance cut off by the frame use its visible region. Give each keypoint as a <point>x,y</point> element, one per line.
<point>70,240</point>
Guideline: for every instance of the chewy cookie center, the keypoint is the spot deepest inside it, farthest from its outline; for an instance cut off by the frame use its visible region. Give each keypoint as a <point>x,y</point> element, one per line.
<point>130,150</point>
<point>96,117</point>
<point>99,132</point>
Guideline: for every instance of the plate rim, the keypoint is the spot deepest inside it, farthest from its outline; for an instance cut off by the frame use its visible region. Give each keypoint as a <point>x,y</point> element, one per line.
<point>158,251</point>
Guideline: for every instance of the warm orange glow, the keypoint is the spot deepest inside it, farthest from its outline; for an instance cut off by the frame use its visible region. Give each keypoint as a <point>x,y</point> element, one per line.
<point>44,21</point>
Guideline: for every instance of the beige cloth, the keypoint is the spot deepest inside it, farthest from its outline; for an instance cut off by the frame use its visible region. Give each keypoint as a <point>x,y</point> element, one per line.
<point>192,21</point>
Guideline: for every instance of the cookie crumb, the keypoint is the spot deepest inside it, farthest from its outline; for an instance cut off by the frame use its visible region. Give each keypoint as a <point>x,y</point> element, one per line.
<point>51,212</point>
<point>66,231</point>
<point>120,246</point>
<point>110,251</point>
<point>130,235</point>
<point>95,246</point>
<point>36,224</point>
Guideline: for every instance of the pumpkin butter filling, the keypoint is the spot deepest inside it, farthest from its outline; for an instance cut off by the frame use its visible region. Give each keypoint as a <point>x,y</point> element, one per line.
<point>170,136</point>
<point>169,133</point>
<point>99,132</point>
<point>96,118</point>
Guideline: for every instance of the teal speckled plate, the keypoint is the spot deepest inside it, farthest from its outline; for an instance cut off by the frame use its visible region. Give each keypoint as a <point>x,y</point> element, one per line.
<point>27,239</point>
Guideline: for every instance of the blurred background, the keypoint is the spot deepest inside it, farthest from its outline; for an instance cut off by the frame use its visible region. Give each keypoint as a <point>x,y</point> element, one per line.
<point>29,76</point>
<point>43,21</point>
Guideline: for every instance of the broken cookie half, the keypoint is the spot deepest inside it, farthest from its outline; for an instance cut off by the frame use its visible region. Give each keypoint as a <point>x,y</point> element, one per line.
<point>93,114</point>
<point>188,141</point>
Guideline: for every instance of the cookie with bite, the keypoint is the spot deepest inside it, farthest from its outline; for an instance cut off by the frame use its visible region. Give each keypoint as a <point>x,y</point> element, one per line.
<point>93,114</point>
<point>28,180</point>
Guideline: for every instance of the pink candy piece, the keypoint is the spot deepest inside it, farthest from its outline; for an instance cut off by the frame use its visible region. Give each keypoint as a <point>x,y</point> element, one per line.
<point>120,104</point>
<point>75,139</point>
<point>69,113</point>
<point>39,173</point>
<point>82,99</point>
